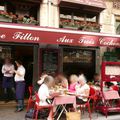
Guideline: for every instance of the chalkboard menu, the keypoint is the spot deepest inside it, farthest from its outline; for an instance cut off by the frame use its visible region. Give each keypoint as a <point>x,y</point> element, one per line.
<point>77,56</point>
<point>50,61</point>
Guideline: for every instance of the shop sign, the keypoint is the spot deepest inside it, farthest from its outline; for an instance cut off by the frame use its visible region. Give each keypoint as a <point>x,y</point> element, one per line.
<point>2,36</point>
<point>55,37</point>
<point>25,36</point>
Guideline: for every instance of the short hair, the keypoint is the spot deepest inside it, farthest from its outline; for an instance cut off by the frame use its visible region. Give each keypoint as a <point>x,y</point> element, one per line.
<point>74,77</point>
<point>82,78</point>
<point>48,79</point>
<point>96,74</point>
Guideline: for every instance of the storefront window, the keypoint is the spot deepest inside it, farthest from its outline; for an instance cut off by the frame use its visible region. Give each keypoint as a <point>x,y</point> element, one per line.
<point>5,52</point>
<point>80,60</point>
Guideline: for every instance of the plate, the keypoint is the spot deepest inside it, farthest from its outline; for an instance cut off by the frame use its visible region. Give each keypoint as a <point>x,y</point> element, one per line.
<point>70,93</point>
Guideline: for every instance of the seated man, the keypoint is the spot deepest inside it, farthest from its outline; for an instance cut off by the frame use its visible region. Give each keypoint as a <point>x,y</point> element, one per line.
<point>44,95</point>
<point>96,79</point>
<point>82,90</point>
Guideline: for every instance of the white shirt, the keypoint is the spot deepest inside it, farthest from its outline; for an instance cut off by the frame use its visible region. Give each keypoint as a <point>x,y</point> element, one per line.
<point>81,91</point>
<point>21,71</point>
<point>43,94</point>
<point>9,68</point>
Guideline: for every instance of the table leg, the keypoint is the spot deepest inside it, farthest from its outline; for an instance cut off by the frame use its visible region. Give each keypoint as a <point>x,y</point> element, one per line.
<point>63,109</point>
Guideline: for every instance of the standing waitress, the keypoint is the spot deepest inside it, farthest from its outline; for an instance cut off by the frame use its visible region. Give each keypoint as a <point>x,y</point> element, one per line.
<point>20,85</point>
<point>8,81</point>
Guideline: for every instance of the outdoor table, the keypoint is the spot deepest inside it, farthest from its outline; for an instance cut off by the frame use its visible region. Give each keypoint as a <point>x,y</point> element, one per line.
<point>62,101</point>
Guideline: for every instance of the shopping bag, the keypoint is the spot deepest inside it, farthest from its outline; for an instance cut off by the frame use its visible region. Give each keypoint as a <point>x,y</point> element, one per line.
<point>73,116</point>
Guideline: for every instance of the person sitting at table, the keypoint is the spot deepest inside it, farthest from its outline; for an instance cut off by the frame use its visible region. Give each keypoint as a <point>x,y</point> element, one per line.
<point>82,91</point>
<point>73,81</point>
<point>44,95</point>
<point>62,80</point>
<point>96,79</point>
<point>42,78</point>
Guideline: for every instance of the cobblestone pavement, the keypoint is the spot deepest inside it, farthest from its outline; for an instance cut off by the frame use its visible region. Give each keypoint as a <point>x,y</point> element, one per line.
<point>7,113</point>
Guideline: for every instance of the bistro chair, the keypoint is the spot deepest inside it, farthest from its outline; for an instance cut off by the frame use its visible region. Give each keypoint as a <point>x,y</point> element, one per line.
<point>30,100</point>
<point>93,97</point>
<point>87,104</point>
<point>108,98</point>
<point>37,107</point>
<point>115,87</point>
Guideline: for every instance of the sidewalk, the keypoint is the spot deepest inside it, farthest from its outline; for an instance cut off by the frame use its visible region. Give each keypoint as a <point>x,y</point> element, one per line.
<point>7,113</point>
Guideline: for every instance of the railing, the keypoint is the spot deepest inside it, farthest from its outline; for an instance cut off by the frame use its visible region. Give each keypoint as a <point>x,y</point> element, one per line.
<point>5,17</point>
<point>80,25</point>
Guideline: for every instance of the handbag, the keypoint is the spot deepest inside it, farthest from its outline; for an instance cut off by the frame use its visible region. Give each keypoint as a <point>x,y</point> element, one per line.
<point>73,116</point>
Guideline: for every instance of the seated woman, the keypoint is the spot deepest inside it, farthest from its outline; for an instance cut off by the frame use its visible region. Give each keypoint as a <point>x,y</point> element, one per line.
<point>82,91</point>
<point>41,81</point>
<point>73,82</point>
<point>62,80</point>
<point>44,95</point>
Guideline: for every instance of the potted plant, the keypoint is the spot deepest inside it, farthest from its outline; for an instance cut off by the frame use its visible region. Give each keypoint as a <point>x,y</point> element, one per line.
<point>4,17</point>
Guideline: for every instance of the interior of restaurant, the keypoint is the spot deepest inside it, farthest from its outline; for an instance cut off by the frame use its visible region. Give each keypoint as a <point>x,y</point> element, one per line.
<point>17,52</point>
<point>80,60</point>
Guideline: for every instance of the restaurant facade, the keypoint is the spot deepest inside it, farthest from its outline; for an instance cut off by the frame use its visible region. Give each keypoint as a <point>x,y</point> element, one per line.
<point>48,45</point>
<point>66,41</point>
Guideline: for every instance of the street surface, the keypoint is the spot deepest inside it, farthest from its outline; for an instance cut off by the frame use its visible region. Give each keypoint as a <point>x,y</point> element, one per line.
<point>7,113</point>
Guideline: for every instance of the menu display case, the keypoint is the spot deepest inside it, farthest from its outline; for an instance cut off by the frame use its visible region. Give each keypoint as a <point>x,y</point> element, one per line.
<point>110,72</point>
<point>49,61</point>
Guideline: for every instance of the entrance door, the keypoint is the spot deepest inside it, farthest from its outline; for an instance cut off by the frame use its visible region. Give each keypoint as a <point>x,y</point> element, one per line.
<point>22,52</point>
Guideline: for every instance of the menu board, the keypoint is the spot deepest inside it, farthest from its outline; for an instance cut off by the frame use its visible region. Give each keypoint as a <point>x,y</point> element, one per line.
<point>77,56</point>
<point>49,61</point>
<point>112,70</point>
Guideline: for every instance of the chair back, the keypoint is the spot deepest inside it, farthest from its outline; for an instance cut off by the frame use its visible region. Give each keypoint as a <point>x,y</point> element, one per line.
<point>37,98</point>
<point>115,87</point>
<point>30,90</point>
<point>111,95</point>
<point>92,91</point>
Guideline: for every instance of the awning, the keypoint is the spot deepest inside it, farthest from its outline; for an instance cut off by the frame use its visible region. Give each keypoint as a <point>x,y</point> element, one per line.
<point>29,34</point>
<point>86,4</point>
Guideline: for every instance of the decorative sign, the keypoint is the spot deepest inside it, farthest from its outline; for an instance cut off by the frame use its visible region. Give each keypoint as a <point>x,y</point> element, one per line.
<point>55,36</point>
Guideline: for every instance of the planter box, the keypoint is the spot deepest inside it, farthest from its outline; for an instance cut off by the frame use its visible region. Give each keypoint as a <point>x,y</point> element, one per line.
<point>21,22</point>
<point>83,28</point>
<point>70,27</point>
<point>5,19</point>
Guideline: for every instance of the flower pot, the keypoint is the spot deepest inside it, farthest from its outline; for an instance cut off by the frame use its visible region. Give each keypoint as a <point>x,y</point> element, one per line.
<point>5,19</point>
